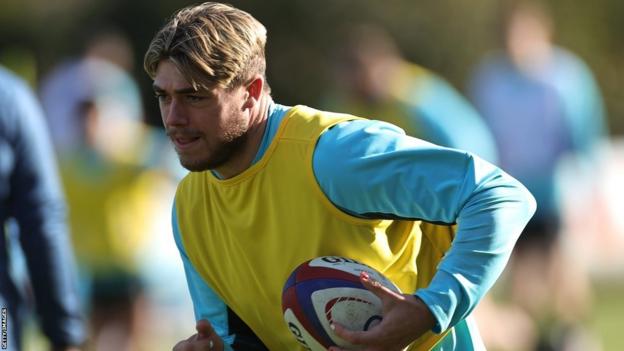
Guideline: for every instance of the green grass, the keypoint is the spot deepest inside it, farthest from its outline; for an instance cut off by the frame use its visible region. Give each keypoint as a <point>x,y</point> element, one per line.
<point>608,314</point>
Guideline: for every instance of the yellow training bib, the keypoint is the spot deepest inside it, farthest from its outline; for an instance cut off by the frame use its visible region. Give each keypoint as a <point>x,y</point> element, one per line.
<point>244,235</point>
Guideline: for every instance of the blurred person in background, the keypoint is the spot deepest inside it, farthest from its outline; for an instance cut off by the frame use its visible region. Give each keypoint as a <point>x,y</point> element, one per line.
<point>31,195</point>
<point>105,198</point>
<point>542,103</point>
<point>99,75</point>
<point>373,79</point>
<point>102,76</point>
<point>113,171</point>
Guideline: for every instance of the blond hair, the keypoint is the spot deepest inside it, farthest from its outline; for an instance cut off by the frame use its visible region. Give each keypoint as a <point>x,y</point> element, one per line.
<point>211,44</point>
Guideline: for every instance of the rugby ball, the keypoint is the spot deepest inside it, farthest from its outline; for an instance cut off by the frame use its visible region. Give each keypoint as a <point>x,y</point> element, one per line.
<point>328,289</point>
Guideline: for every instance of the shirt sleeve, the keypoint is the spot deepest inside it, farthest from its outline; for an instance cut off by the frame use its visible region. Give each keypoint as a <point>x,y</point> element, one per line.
<point>206,303</point>
<point>38,205</point>
<point>371,168</point>
<point>582,100</point>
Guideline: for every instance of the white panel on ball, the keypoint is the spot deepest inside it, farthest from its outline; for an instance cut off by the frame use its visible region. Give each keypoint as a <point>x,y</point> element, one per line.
<point>352,308</point>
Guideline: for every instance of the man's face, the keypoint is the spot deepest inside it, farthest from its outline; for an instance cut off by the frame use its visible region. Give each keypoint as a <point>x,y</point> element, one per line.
<point>208,127</point>
<point>369,74</point>
<point>528,37</point>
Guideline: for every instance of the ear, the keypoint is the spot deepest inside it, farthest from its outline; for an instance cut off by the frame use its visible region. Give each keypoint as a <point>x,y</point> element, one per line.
<point>254,90</point>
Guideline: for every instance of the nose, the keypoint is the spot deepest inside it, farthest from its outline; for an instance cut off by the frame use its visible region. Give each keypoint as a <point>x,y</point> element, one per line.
<point>173,114</point>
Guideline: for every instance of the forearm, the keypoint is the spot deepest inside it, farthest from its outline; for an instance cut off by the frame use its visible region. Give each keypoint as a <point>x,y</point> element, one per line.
<point>52,273</point>
<point>367,168</point>
<point>487,231</point>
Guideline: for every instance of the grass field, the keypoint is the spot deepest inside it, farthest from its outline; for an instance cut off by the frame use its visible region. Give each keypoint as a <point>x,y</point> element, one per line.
<point>608,315</point>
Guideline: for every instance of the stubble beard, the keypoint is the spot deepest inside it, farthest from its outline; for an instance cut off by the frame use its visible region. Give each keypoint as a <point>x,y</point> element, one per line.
<point>231,144</point>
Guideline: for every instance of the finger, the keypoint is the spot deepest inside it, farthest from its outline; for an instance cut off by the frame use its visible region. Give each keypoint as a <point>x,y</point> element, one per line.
<point>204,329</point>
<point>377,288</point>
<point>204,345</point>
<point>354,337</point>
<point>208,336</point>
<point>194,345</point>
<point>181,346</point>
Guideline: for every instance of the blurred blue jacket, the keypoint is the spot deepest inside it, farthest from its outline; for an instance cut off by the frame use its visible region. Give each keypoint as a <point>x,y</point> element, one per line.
<point>538,118</point>
<point>30,193</point>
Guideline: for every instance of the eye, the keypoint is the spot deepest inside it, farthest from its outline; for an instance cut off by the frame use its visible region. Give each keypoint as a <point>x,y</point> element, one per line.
<point>160,97</point>
<point>194,98</point>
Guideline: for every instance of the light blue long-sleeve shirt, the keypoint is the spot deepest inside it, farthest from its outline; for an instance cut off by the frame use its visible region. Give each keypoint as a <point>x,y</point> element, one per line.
<point>406,177</point>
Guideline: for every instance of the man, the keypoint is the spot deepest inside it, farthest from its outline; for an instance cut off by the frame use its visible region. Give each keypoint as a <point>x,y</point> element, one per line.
<point>30,194</point>
<point>544,108</point>
<point>272,186</point>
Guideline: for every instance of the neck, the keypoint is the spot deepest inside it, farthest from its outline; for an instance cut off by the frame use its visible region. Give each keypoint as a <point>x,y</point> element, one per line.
<point>243,159</point>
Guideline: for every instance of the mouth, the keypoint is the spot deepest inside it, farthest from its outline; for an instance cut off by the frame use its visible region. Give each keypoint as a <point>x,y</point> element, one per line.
<point>183,143</point>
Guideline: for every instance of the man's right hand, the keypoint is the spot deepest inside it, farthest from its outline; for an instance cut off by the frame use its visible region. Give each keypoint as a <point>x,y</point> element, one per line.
<point>205,340</point>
